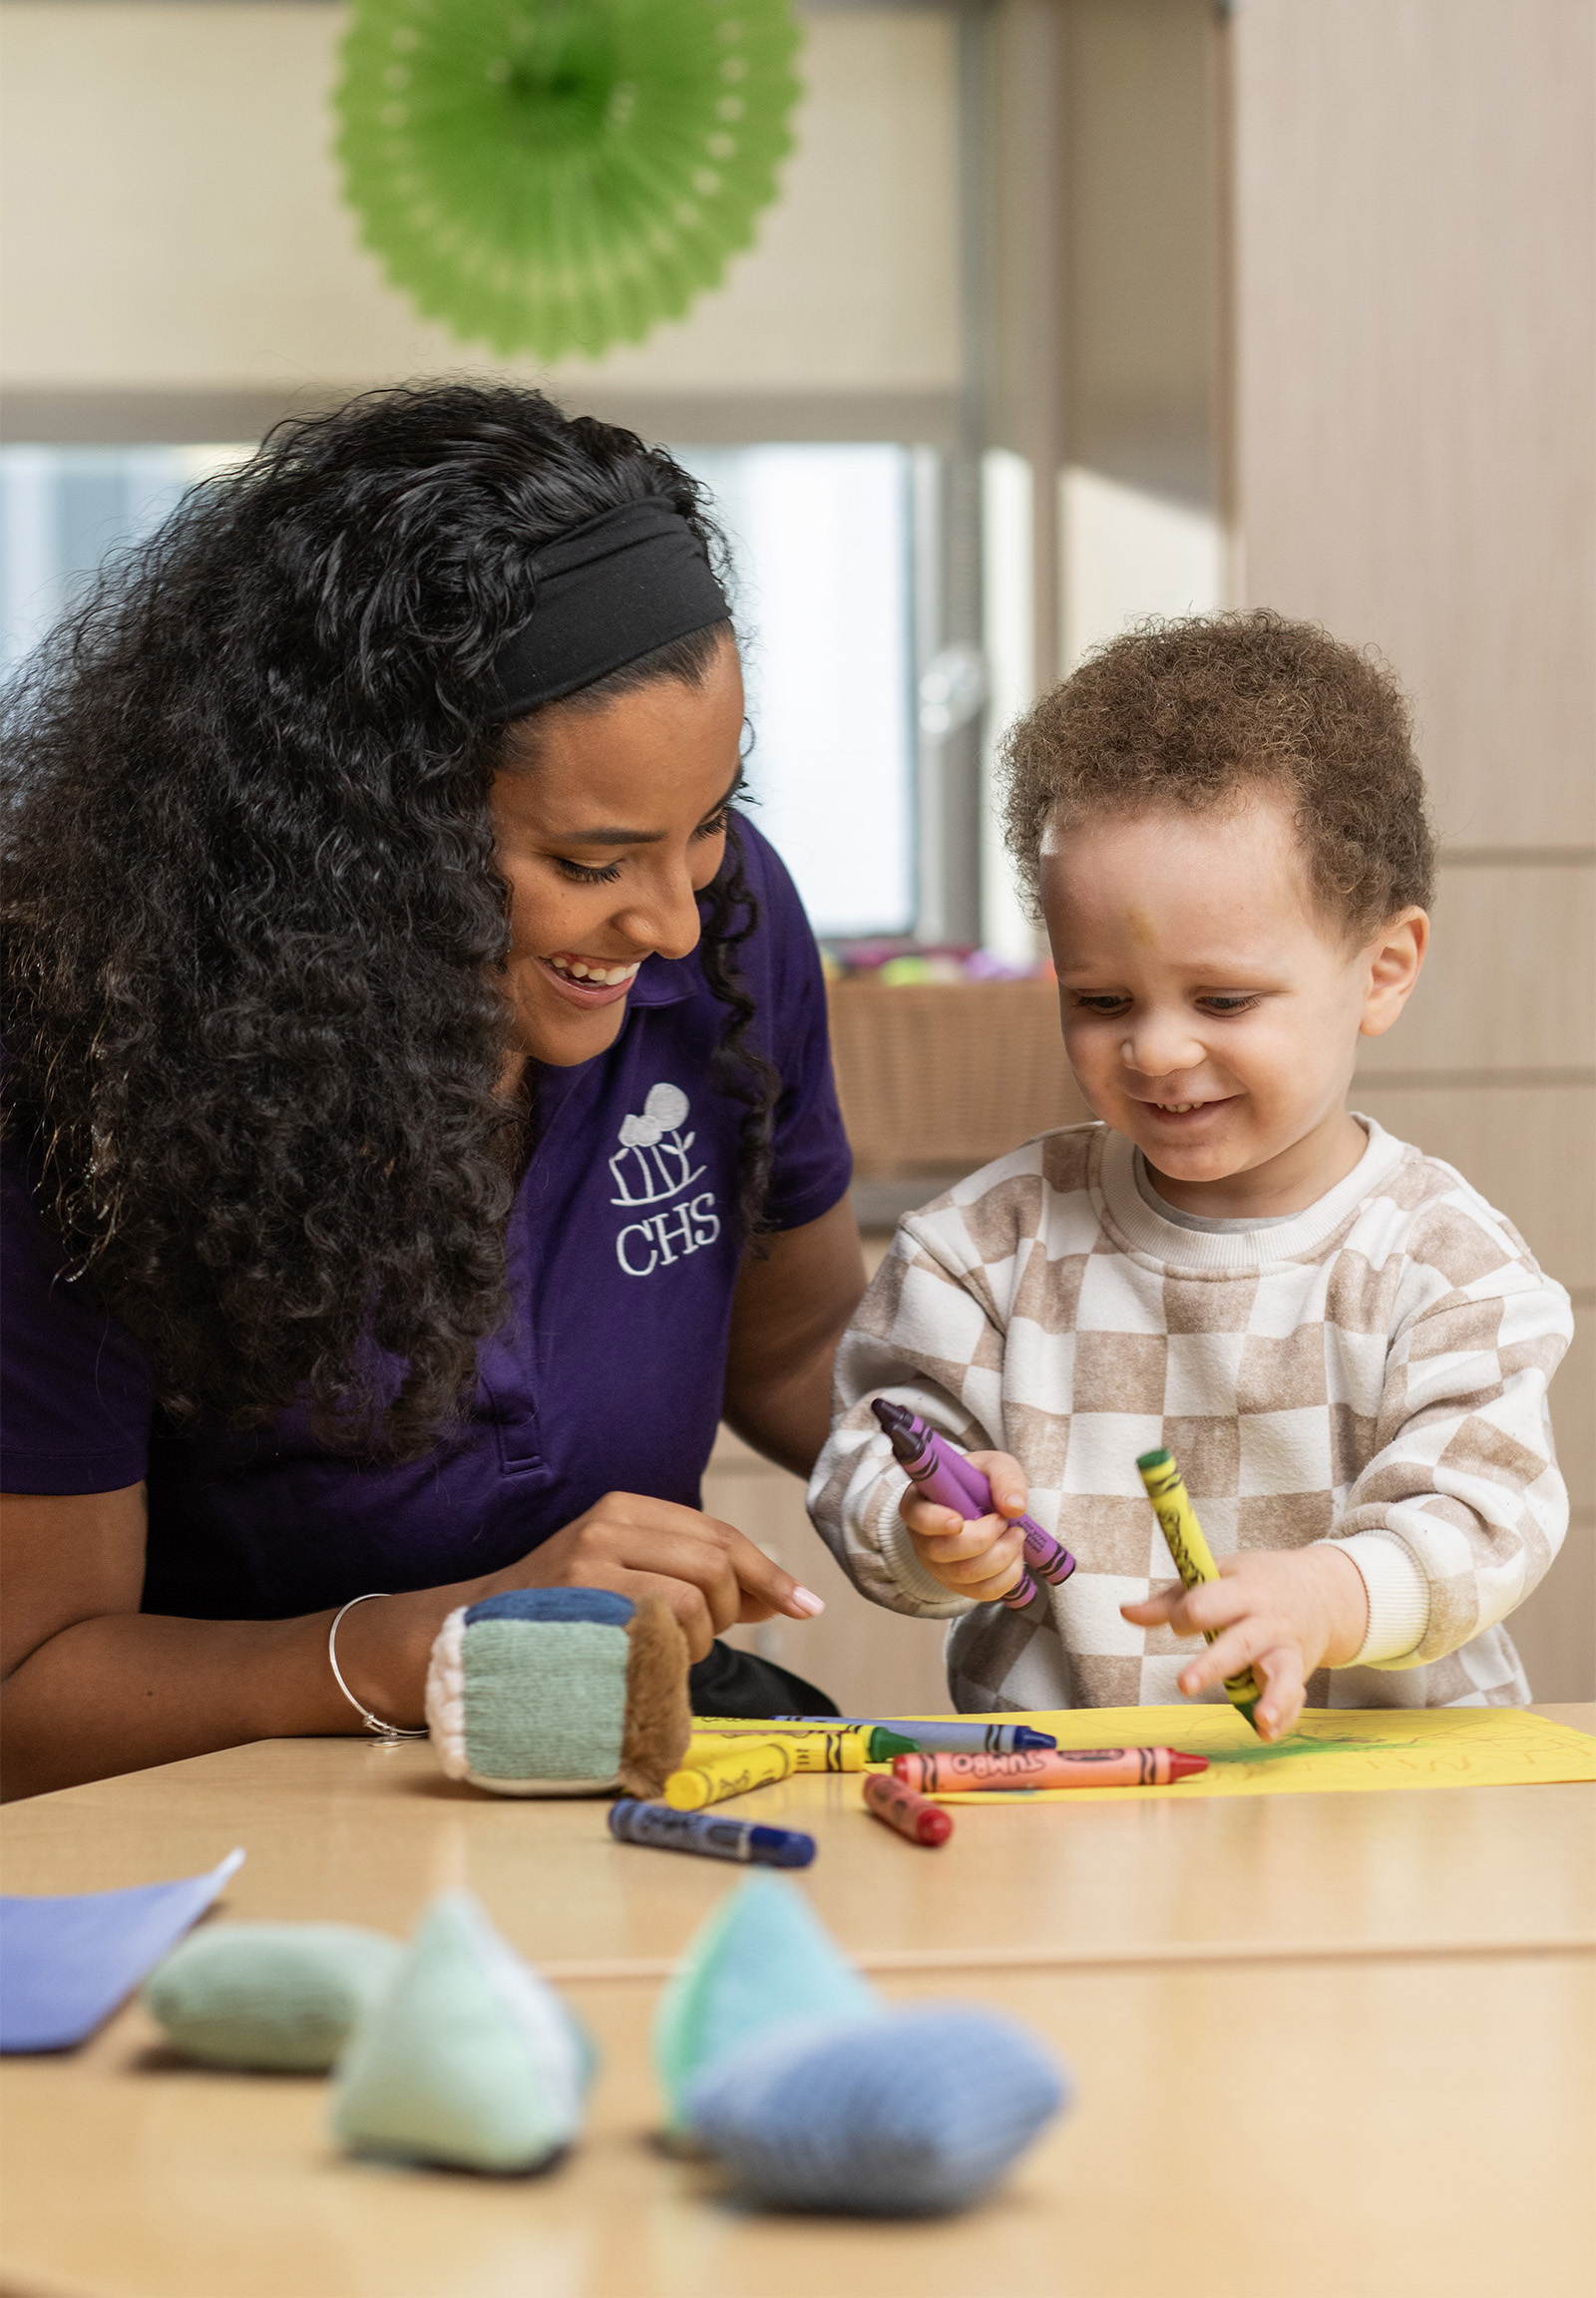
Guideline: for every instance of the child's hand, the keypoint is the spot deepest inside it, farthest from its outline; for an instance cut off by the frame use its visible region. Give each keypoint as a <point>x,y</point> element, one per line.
<point>1281,1614</point>
<point>981,1559</point>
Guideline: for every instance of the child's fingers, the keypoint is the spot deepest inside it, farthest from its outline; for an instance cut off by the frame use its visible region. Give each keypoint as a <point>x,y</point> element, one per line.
<point>983,1574</point>
<point>1158,1609</point>
<point>1280,1673</point>
<point>989,1590</point>
<point>945,1545</point>
<point>1006,1478</point>
<point>1238,1647</point>
<point>929,1520</point>
<point>978,1542</point>
<point>1212,1604</point>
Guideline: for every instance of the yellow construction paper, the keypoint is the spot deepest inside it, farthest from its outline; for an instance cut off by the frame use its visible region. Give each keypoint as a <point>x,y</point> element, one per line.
<point>1332,1750</point>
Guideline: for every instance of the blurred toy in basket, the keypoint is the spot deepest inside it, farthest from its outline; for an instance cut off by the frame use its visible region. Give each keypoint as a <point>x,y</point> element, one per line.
<point>945,1059</point>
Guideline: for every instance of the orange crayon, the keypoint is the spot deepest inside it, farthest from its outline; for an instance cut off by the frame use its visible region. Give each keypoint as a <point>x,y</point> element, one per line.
<point>1047,1767</point>
<point>901,1807</point>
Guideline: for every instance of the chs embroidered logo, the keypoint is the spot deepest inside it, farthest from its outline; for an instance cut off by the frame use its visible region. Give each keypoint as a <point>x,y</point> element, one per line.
<point>652,1166</point>
<point>654,1160</point>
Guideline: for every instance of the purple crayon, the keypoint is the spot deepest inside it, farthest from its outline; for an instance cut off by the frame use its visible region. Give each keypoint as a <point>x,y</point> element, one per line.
<point>946,1477</point>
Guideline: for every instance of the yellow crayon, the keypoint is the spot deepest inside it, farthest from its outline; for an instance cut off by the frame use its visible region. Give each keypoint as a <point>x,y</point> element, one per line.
<point>711,1778</point>
<point>810,1750</point>
<point>1177,1520</point>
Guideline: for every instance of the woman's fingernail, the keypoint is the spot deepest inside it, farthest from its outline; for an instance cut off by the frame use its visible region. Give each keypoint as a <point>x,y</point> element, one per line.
<point>805,1599</point>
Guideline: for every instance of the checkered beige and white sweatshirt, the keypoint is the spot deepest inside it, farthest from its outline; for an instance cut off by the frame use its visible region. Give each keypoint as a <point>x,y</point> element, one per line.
<point>1371,1372</point>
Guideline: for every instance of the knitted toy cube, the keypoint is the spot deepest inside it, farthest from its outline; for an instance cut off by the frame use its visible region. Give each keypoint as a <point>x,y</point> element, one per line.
<point>561,1691</point>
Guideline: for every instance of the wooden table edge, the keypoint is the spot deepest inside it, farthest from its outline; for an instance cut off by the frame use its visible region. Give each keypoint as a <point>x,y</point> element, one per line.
<point>1149,1953</point>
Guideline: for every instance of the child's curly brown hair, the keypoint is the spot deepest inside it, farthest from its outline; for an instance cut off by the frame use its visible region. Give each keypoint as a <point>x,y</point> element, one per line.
<point>1199,712</point>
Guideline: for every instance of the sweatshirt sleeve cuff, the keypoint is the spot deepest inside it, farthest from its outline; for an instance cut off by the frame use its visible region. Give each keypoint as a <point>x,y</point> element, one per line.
<point>898,1553</point>
<point>1398,1598</point>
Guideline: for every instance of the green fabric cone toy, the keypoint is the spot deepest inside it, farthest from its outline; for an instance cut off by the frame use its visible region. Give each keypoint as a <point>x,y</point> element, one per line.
<point>470,2060</point>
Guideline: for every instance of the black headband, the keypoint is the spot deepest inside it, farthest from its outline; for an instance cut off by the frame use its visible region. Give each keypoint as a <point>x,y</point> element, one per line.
<point>607,592</point>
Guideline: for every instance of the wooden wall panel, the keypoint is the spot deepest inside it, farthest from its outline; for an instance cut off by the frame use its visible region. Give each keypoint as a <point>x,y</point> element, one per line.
<point>1507,984</point>
<point>1415,363</point>
<point>1413,290</point>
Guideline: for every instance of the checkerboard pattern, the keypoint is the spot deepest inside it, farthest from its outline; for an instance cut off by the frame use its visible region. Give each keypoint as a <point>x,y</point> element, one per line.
<point>1373,1372</point>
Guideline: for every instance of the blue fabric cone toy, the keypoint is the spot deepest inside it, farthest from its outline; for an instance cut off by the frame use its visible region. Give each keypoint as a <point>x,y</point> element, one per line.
<point>777,2056</point>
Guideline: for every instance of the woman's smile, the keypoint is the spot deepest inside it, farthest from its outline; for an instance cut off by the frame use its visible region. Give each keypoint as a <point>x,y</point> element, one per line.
<point>611,821</point>
<point>589,982</point>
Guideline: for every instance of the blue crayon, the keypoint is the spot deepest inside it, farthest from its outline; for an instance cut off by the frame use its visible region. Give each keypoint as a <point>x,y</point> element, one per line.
<point>949,1735</point>
<point>663,1830</point>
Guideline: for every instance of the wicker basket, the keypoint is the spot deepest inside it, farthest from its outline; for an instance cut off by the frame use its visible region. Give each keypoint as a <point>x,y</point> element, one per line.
<point>942,1077</point>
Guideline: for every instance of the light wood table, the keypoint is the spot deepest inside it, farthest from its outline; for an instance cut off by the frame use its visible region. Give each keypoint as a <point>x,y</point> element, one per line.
<point>366,1833</point>
<point>1328,2046</point>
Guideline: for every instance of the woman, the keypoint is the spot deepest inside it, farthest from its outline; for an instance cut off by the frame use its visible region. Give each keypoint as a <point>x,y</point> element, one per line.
<point>420,1121</point>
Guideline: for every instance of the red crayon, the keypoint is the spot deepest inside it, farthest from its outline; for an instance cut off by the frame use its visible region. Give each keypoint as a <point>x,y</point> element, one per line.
<point>910,1814</point>
<point>1049,1768</point>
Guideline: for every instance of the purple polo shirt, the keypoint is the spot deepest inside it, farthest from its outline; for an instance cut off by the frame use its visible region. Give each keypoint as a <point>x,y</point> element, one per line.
<point>608,1376</point>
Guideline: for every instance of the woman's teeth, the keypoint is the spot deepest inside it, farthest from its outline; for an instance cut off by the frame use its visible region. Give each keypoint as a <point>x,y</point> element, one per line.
<point>578,970</point>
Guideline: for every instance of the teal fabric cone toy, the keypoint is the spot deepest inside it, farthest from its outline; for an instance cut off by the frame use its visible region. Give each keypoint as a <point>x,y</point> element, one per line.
<point>469,2061</point>
<point>283,1997</point>
<point>561,1691</point>
<point>761,1963</point>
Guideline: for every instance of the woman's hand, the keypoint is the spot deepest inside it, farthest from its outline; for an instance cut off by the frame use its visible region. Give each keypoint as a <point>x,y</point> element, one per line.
<point>710,1574</point>
<point>1282,1614</point>
<point>94,1686</point>
<point>981,1557</point>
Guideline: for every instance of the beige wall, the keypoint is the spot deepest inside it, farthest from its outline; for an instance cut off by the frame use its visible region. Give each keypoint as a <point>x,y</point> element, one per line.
<point>1415,346</point>
<point>174,218</point>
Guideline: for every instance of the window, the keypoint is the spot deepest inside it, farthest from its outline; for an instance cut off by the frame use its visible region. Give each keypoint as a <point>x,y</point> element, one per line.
<point>821,537</point>
<point>822,541</point>
<point>63,508</point>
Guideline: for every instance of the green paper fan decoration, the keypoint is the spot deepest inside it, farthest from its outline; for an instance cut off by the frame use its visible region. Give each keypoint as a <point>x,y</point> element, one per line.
<point>556,176</point>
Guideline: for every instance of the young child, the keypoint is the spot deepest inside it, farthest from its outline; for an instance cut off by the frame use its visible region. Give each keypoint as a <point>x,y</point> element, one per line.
<point>1346,1349</point>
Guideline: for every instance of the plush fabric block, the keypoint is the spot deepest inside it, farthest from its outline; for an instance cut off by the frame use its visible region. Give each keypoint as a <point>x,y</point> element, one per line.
<point>470,2060</point>
<point>761,1964</point>
<point>271,1995</point>
<point>560,1691</point>
<point>913,2114</point>
<point>561,1718</point>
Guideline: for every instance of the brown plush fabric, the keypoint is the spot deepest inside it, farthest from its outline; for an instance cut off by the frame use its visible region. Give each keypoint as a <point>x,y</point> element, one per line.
<point>658,1713</point>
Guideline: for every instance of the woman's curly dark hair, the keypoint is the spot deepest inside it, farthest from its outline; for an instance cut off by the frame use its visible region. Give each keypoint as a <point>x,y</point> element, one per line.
<point>253,919</point>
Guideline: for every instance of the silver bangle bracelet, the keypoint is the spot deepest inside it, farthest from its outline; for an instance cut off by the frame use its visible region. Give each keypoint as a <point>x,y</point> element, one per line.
<point>385,1732</point>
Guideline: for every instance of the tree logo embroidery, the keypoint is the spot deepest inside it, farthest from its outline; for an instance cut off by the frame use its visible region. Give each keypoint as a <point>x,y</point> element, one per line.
<point>652,1166</point>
